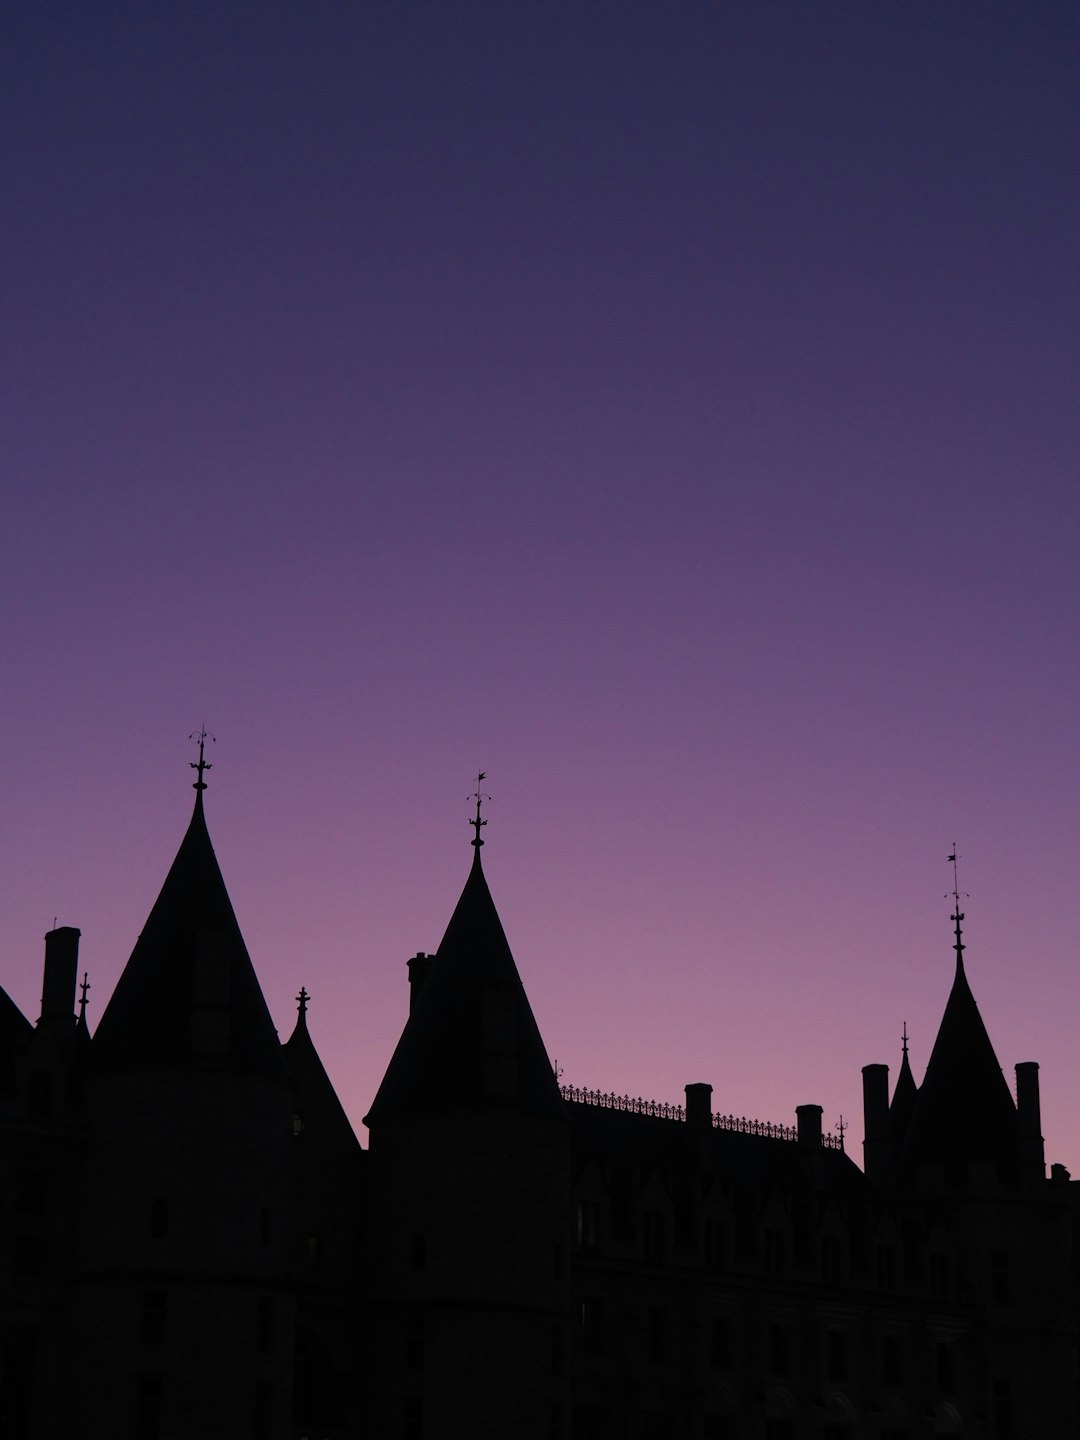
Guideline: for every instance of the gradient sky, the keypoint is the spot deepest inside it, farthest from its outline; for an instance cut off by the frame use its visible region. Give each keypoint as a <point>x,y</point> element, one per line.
<point>670,408</point>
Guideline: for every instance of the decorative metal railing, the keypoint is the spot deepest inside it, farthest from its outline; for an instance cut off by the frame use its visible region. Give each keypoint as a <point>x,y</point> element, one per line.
<point>661,1111</point>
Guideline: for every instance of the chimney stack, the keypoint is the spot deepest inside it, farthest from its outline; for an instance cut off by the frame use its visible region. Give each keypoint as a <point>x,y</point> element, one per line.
<point>699,1107</point>
<point>1029,1117</point>
<point>61,968</point>
<point>419,970</point>
<point>808,1119</point>
<point>877,1143</point>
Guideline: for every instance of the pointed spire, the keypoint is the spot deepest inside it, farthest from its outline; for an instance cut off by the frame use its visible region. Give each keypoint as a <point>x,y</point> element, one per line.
<point>476,823</point>
<point>903,1100</point>
<point>957,915</point>
<point>963,1109</point>
<point>189,993</point>
<point>471,1040</point>
<point>84,990</point>
<point>202,764</point>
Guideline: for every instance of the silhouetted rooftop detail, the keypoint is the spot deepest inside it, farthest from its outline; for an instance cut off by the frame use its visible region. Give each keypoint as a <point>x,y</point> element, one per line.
<point>478,824</point>
<point>189,993</point>
<point>15,1030</point>
<point>471,1040</point>
<point>904,1095</point>
<point>202,764</point>
<point>318,1107</point>
<point>963,1109</point>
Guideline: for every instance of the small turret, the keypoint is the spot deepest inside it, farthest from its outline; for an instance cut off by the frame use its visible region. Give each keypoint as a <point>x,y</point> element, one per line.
<point>469,1228</point>
<point>963,1110</point>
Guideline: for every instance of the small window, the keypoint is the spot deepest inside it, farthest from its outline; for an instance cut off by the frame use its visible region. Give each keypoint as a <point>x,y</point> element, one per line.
<point>832,1259</point>
<point>558,1350</point>
<point>39,1095</point>
<point>414,1344</point>
<point>586,1422</point>
<point>593,1326</point>
<point>715,1244</point>
<point>659,1335</point>
<point>1001,1276</point>
<point>939,1275</point>
<point>148,1390</point>
<point>414,1418</point>
<point>892,1360</point>
<point>266,1326</point>
<point>153,1317</point>
<point>946,1367</point>
<point>779,1350</point>
<point>18,1366</point>
<point>775,1251</point>
<point>1003,1408</point>
<point>159,1219</point>
<point>719,1343</point>
<point>654,1234</point>
<point>886,1267</point>
<point>588,1224</point>
<point>262,1417</point>
<point>836,1359</point>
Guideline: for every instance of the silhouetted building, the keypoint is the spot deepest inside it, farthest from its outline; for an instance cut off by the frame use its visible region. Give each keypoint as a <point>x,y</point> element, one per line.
<point>194,1245</point>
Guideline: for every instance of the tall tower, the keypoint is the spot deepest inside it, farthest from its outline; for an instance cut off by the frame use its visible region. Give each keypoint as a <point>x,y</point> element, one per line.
<point>181,1311</point>
<point>467,1228</point>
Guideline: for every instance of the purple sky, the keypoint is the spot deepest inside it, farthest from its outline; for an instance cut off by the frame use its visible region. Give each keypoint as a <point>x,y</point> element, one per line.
<point>670,408</point>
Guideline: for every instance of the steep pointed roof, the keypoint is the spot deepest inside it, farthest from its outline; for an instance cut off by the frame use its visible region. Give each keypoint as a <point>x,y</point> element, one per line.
<point>317,1103</point>
<point>904,1096</point>
<point>471,1040</point>
<point>963,1109</point>
<point>15,1032</point>
<point>189,993</point>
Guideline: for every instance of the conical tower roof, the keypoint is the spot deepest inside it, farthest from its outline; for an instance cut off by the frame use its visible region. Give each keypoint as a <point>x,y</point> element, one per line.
<point>189,993</point>
<point>904,1097</point>
<point>317,1101</point>
<point>963,1109</point>
<point>471,1040</point>
<point>15,1032</point>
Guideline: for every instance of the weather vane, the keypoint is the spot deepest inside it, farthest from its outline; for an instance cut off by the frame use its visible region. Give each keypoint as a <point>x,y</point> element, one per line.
<point>478,824</point>
<point>202,764</point>
<point>957,914</point>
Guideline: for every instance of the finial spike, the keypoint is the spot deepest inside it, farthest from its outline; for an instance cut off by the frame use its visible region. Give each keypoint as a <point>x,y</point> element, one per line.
<point>957,915</point>
<point>302,1002</point>
<point>841,1126</point>
<point>202,764</point>
<point>84,990</point>
<point>476,823</point>
<point>904,1038</point>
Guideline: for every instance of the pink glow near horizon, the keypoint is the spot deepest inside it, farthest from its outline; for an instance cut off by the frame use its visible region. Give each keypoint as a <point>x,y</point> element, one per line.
<point>671,410</point>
